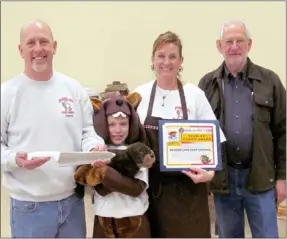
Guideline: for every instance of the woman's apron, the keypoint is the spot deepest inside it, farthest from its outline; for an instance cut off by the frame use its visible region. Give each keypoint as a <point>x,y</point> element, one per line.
<point>178,207</point>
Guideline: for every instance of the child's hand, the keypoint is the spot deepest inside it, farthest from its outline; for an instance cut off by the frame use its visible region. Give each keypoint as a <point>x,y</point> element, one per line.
<point>100,148</point>
<point>100,162</point>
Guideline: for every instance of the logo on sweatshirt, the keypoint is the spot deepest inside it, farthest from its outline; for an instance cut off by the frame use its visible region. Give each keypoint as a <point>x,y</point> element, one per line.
<point>67,106</point>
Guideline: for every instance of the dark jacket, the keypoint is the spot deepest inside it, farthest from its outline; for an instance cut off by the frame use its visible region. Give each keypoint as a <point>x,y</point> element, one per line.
<point>269,127</point>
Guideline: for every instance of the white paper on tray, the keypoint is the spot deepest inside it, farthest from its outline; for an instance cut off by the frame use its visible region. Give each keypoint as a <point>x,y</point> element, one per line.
<point>73,158</point>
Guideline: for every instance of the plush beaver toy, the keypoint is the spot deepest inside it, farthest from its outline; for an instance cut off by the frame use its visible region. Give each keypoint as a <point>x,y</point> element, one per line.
<point>126,162</point>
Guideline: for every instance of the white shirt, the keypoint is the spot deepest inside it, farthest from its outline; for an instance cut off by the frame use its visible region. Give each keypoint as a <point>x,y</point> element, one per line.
<point>198,107</point>
<point>119,205</point>
<point>54,115</point>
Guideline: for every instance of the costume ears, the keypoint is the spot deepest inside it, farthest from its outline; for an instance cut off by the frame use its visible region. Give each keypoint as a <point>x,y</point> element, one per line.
<point>96,103</point>
<point>134,99</point>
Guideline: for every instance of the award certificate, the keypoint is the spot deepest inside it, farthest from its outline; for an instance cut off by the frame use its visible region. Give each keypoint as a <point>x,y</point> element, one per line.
<point>189,143</point>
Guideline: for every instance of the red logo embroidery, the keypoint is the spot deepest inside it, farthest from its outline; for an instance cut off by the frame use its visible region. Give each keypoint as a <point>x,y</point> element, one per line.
<point>67,106</point>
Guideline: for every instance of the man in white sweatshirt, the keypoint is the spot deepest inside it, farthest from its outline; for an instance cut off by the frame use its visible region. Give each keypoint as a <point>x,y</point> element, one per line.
<point>43,110</point>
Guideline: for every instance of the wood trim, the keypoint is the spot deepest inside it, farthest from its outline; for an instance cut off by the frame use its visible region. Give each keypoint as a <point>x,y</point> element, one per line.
<point>281,213</point>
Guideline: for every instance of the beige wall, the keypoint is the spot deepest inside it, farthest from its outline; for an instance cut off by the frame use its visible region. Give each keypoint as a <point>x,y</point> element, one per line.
<point>99,42</point>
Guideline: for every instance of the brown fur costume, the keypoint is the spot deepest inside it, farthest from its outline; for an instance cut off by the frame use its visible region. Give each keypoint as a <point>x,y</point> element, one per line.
<point>108,107</point>
<point>107,179</point>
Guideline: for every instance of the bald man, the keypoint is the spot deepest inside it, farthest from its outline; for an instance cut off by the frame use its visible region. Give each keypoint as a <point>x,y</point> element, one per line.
<point>43,110</point>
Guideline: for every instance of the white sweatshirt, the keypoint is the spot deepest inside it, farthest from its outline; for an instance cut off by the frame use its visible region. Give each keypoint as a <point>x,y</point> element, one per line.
<point>55,115</point>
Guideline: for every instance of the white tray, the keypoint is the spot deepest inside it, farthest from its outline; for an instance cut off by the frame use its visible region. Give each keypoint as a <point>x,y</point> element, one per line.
<point>72,158</point>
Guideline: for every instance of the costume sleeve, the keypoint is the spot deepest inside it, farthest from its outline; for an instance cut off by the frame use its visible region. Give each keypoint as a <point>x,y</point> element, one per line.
<point>205,112</point>
<point>89,137</point>
<point>133,187</point>
<point>8,157</point>
<point>102,190</point>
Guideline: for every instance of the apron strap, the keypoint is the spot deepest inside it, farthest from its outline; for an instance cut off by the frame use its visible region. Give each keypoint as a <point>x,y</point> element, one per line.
<point>181,95</point>
<point>151,99</point>
<point>182,100</point>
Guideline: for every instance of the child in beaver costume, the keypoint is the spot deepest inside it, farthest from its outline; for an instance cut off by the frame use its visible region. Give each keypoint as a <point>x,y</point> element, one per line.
<point>120,202</point>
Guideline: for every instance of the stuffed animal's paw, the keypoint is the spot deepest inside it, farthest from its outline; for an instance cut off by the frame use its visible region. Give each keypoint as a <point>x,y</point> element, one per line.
<point>96,175</point>
<point>81,174</point>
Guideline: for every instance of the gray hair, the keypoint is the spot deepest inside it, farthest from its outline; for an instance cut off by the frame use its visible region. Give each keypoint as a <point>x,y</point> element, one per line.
<point>234,22</point>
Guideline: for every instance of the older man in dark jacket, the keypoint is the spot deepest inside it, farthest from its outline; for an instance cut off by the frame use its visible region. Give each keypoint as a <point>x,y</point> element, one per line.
<point>250,103</point>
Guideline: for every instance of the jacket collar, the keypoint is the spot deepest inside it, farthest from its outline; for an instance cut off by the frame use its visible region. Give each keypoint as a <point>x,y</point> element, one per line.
<point>252,71</point>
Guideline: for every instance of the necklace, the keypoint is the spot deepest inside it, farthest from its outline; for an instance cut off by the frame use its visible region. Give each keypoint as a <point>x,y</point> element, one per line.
<point>164,96</point>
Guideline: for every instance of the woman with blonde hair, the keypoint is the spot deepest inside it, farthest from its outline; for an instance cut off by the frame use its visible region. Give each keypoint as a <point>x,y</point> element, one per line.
<point>178,201</point>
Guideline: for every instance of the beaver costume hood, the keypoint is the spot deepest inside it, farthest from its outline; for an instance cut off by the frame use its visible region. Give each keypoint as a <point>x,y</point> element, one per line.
<point>115,106</point>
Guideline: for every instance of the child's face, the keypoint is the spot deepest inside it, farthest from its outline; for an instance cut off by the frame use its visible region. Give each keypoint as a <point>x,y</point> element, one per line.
<point>119,129</point>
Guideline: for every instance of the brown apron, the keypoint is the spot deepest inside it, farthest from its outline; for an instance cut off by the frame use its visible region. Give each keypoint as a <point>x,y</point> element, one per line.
<point>178,207</point>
